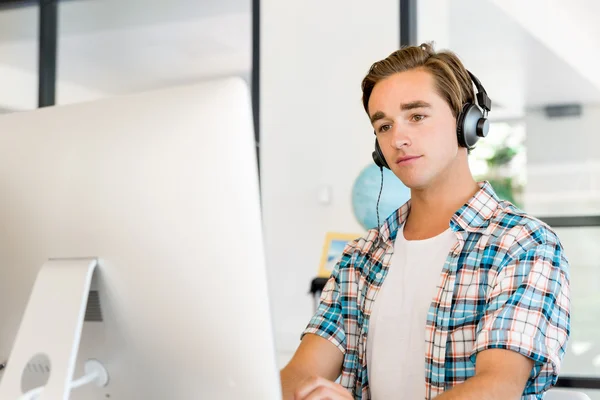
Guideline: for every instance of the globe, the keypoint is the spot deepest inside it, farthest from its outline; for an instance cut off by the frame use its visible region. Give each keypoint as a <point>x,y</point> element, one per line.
<point>366,189</point>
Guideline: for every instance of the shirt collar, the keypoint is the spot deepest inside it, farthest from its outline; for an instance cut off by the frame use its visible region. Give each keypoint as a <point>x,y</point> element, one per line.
<point>473,216</point>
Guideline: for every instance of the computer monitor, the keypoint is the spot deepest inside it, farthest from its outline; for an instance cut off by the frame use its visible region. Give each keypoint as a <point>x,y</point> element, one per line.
<point>161,190</point>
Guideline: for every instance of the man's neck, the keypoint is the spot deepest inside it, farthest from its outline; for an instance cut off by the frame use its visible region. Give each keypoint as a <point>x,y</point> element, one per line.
<point>432,208</point>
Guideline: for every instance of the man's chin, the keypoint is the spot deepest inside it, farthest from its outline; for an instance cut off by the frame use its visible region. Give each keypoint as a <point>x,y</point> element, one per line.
<point>412,182</point>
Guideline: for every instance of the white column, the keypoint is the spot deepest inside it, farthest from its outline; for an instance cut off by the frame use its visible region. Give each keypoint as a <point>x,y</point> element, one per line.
<point>315,136</point>
<point>433,23</point>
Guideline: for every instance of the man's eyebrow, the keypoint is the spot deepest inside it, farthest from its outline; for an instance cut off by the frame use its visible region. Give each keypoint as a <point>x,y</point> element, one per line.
<point>414,104</point>
<point>377,116</point>
<point>404,107</point>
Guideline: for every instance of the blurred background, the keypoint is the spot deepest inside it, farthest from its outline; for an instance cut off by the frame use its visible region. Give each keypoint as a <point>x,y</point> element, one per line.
<point>304,61</point>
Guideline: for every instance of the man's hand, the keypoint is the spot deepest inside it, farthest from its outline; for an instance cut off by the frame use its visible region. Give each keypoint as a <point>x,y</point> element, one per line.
<point>315,357</point>
<point>317,388</point>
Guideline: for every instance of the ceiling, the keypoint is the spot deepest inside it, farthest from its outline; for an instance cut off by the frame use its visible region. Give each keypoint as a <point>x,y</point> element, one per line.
<point>527,54</point>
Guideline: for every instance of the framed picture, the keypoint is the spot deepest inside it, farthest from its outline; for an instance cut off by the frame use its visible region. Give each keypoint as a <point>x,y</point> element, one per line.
<point>332,251</point>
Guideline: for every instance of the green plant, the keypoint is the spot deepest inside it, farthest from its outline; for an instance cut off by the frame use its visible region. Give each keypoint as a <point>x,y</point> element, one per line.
<point>500,174</point>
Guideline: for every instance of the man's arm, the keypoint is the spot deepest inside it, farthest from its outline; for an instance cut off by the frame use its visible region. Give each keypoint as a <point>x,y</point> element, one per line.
<point>318,361</point>
<point>316,357</point>
<point>499,375</point>
<point>524,331</point>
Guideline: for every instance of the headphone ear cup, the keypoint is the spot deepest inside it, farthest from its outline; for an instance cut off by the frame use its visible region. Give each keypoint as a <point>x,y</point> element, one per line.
<point>466,125</point>
<point>460,121</point>
<point>378,157</point>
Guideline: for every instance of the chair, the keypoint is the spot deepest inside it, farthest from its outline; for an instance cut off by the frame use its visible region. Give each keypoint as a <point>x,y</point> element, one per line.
<point>565,394</point>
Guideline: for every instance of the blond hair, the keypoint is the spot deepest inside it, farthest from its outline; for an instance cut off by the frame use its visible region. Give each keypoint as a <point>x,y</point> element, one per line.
<point>452,81</point>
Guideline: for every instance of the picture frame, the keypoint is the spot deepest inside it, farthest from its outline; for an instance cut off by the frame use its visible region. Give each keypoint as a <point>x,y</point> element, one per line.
<point>333,248</point>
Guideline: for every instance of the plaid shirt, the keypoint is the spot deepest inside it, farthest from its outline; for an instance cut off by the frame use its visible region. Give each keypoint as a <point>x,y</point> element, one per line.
<point>504,285</point>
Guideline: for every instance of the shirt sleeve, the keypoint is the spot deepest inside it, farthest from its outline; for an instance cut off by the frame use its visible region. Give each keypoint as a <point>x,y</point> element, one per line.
<point>328,321</point>
<point>528,311</point>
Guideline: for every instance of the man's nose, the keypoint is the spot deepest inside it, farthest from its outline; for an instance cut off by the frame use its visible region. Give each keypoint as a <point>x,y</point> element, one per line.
<point>399,140</point>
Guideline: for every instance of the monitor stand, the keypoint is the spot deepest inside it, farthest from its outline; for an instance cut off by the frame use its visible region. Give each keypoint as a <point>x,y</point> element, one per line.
<point>51,326</point>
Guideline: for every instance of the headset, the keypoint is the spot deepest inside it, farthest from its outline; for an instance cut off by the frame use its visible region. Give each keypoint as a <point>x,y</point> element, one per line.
<point>471,123</point>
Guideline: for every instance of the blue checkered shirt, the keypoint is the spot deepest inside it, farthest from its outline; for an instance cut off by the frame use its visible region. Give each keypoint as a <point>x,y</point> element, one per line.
<point>504,285</point>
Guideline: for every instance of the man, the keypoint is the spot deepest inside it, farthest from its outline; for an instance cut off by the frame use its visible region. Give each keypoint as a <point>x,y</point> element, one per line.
<point>458,294</point>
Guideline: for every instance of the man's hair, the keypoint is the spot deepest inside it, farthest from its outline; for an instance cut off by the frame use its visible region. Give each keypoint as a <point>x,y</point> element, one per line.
<point>452,81</point>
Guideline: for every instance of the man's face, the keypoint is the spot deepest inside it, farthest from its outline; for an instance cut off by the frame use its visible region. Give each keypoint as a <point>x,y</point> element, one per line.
<point>415,127</point>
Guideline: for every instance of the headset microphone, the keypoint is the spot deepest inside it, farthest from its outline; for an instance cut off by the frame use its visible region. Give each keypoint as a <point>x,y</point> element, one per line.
<point>377,206</point>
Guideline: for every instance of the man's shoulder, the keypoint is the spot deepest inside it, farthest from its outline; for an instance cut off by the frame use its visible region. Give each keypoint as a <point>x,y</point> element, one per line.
<point>362,251</point>
<point>520,229</point>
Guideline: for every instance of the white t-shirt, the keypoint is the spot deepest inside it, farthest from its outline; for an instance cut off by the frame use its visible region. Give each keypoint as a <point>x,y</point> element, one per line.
<point>396,339</point>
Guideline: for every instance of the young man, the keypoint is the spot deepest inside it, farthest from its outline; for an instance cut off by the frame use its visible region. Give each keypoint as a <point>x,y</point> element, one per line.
<point>458,295</point>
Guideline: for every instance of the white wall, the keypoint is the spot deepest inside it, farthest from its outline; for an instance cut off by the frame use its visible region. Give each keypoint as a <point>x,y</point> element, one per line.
<point>563,163</point>
<point>314,134</point>
<point>434,23</point>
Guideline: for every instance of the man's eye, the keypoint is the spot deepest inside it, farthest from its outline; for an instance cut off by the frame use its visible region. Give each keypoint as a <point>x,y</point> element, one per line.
<point>418,117</point>
<point>384,128</point>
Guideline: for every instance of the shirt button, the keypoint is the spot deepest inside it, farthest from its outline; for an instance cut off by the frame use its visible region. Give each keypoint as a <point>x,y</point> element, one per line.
<point>379,275</point>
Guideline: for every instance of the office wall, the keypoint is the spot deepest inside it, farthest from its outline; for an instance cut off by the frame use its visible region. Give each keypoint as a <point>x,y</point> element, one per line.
<point>315,136</point>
